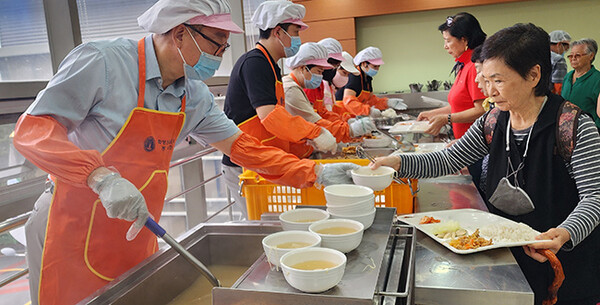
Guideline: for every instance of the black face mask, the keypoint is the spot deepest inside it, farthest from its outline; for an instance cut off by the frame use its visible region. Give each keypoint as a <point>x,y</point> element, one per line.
<point>328,75</point>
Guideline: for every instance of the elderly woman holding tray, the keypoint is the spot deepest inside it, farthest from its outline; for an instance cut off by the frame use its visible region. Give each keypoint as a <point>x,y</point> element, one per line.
<point>544,168</point>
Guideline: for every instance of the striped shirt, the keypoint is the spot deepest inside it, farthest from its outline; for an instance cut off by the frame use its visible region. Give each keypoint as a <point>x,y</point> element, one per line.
<point>584,168</point>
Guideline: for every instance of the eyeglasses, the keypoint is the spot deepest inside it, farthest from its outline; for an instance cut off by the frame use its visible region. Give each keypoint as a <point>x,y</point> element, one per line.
<point>449,20</point>
<point>565,45</point>
<point>221,48</point>
<point>576,56</point>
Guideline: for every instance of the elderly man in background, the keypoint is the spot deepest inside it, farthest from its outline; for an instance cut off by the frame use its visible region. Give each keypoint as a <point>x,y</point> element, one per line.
<point>582,85</point>
<point>559,44</point>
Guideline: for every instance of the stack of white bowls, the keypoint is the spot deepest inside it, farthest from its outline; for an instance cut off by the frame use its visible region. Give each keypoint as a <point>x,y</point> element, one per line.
<point>349,201</point>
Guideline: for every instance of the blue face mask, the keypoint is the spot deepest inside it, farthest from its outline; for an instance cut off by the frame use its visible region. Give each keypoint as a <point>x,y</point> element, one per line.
<point>206,66</point>
<point>294,46</point>
<point>371,72</point>
<point>314,81</point>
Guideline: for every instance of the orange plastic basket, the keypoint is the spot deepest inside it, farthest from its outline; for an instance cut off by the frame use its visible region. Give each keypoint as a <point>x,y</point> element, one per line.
<point>263,196</point>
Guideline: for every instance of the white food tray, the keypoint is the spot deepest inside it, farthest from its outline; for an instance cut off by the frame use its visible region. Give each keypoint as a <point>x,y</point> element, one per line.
<point>409,127</point>
<point>470,220</point>
<point>422,148</point>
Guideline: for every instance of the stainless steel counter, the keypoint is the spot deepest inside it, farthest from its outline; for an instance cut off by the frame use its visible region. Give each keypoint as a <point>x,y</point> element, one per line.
<point>445,278</point>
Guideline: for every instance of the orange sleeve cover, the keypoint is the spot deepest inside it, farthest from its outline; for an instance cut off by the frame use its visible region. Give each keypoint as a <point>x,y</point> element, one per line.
<point>331,116</point>
<point>340,130</point>
<point>557,88</point>
<point>273,163</point>
<point>354,106</point>
<point>43,141</point>
<point>379,102</point>
<point>289,127</point>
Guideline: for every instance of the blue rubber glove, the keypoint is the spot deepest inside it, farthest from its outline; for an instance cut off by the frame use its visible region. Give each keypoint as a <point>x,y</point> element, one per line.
<point>335,173</point>
<point>121,199</point>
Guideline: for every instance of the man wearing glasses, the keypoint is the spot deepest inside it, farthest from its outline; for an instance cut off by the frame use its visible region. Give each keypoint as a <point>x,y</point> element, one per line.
<point>105,128</point>
<point>559,44</point>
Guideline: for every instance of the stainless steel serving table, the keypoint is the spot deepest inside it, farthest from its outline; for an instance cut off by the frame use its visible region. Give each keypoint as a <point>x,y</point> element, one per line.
<point>445,278</point>
<point>263,284</point>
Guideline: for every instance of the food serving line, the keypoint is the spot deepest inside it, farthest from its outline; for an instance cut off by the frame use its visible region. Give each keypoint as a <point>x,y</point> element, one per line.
<point>394,263</point>
<point>440,276</point>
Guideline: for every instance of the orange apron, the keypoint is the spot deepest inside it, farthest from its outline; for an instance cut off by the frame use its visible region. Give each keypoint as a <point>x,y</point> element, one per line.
<point>84,249</point>
<point>255,128</point>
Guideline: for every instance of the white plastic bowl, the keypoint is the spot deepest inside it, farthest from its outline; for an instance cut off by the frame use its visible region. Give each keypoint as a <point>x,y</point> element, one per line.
<point>301,219</point>
<point>360,207</point>
<point>366,219</point>
<point>339,194</point>
<point>377,142</point>
<point>313,280</point>
<point>271,241</point>
<point>342,242</point>
<point>377,179</point>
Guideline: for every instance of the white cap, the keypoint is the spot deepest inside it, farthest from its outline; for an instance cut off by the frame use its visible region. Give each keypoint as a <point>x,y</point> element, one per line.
<point>334,48</point>
<point>310,53</point>
<point>559,36</point>
<point>271,13</point>
<point>167,14</point>
<point>370,54</point>
<point>347,63</point>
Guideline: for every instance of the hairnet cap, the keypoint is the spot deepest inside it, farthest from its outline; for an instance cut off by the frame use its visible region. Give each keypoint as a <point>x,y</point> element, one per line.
<point>167,14</point>
<point>347,63</point>
<point>310,53</point>
<point>370,54</point>
<point>334,48</point>
<point>271,13</point>
<point>559,36</point>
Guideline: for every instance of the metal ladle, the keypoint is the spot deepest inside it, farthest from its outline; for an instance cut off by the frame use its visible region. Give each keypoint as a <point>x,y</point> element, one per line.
<point>160,232</point>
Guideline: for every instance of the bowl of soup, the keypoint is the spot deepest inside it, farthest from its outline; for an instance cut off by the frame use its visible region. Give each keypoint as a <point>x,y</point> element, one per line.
<point>313,269</point>
<point>376,179</point>
<point>301,219</point>
<point>342,194</point>
<point>280,243</point>
<point>340,234</point>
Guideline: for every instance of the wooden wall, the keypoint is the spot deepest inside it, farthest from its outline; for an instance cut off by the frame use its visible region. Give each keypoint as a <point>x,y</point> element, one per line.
<point>336,18</point>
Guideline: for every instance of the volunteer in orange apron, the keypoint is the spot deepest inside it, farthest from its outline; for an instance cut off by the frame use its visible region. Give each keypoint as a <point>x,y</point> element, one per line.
<point>307,72</point>
<point>105,128</point>
<point>323,98</point>
<point>255,99</point>
<point>359,98</point>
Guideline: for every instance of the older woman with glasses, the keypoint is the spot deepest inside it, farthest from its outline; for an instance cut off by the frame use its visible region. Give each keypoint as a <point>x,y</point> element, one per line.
<point>582,85</point>
<point>462,34</point>
<point>543,166</point>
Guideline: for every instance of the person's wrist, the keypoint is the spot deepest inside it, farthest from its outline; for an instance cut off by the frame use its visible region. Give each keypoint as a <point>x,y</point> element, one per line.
<point>449,118</point>
<point>99,177</point>
<point>398,162</point>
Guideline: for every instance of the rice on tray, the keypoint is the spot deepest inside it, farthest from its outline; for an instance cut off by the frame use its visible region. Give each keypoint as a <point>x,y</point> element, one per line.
<point>509,232</point>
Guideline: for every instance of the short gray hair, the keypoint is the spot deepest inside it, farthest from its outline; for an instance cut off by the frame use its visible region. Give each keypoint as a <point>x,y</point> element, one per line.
<point>591,45</point>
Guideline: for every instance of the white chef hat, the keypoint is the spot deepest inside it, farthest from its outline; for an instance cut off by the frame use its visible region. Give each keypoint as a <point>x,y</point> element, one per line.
<point>559,36</point>
<point>347,63</point>
<point>271,13</point>
<point>167,14</point>
<point>370,54</point>
<point>334,48</point>
<point>310,53</point>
